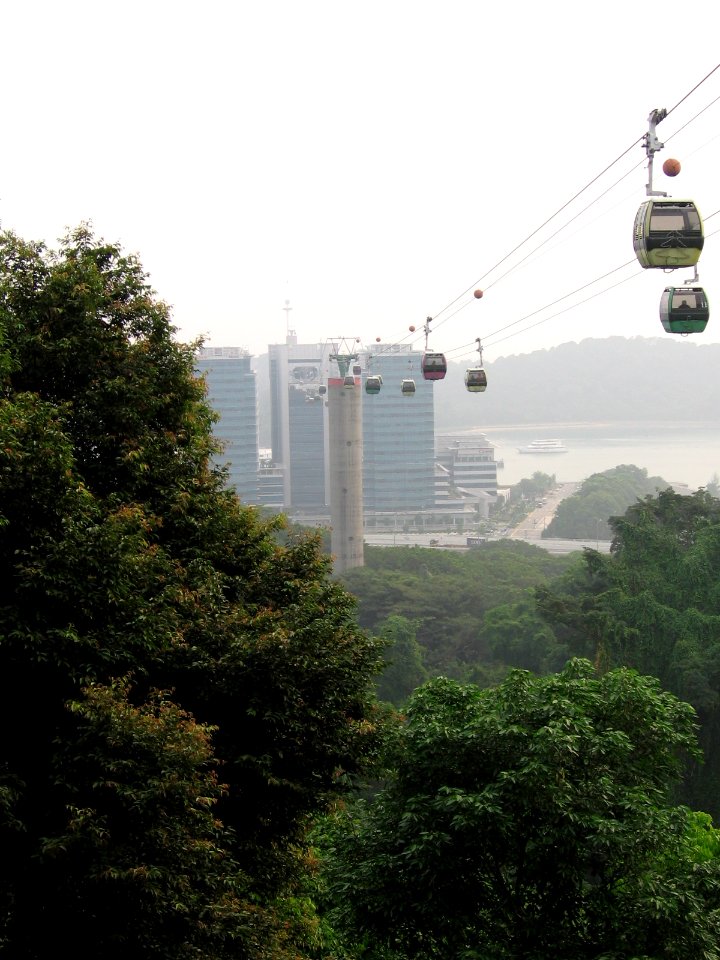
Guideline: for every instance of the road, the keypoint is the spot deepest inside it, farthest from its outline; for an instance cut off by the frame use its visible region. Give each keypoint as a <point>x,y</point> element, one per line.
<point>532,526</point>
<point>529,530</point>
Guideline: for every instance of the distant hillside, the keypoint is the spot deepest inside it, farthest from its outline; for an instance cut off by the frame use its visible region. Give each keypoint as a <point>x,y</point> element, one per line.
<point>596,380</point>
<point>661,378</point>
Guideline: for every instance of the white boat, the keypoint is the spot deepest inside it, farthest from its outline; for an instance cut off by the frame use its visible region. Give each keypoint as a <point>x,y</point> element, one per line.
<point>544,446</point>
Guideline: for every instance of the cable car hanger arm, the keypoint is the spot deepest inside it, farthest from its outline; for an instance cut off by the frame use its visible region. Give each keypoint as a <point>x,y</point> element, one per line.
<point>652,146</point>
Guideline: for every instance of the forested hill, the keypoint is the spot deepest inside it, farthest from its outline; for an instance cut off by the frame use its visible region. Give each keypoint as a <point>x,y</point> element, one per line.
<point>592,381</point>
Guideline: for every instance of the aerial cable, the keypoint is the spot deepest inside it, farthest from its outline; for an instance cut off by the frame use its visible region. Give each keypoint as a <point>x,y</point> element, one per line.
<point>576,216</point>
<point>573,198</point>
<point>544,224</point>
<point>560,299</point>
<point>690,92</point>
<point>572,219</point>
<point>572,306</point>
<point>580,302</point>
<point>547,306</point>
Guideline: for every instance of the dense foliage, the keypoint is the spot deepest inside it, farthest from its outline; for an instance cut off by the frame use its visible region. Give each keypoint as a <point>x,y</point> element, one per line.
<point>448,595</point>
<point>531,821</point>
<point>179,691</point>
<point>654,604</point>
<point>404,666</point>
<point>586,514</point>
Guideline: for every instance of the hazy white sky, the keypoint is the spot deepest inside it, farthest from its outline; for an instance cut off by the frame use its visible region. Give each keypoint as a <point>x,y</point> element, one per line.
<point>369,162</point>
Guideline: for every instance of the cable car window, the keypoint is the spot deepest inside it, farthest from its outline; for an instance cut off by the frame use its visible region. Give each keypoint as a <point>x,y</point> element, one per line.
<point>663,220</point>
<point>668,218</point>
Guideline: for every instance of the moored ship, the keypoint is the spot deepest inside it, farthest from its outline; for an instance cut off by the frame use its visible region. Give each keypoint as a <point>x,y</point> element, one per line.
<point>544,446</point>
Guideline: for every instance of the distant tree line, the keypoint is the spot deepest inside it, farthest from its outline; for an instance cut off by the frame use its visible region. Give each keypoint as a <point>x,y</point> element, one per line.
<point>586,514</point>
<point>664,379</point>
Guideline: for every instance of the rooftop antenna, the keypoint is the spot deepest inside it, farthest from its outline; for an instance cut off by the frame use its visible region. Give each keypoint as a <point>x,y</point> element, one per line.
<point>290,335</point>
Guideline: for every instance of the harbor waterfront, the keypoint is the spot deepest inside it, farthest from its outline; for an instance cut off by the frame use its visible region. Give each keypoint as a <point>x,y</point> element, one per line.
<point>680,453</point>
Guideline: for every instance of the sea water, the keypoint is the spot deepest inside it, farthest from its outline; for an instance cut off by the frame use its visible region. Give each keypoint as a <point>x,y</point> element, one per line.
<point>680,453</point>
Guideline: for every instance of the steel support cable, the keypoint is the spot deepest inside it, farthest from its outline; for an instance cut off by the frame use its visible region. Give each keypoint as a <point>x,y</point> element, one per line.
<point>579,193</point>
<point>560,299</point>
<point>572,219</point>
<point>567,309</point>
<point>538,229</point>
<point>581,302</point>
<point>568,222</point>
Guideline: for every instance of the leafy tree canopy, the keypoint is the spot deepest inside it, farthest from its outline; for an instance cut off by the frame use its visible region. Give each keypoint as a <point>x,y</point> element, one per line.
<point>531,820</point>
<point>448,594</point>
<point>654,604</point>
<point>180,690</point>
<point>404,666</point>
<point>586,514</point>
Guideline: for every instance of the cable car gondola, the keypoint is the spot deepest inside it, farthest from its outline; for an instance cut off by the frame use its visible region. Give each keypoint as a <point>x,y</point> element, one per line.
<point>684,309</point>
<point>433,366</point>
<point>373,384</point>
<point>476,380</point>
<point>349,381</point>
<point>407,388</point>
<point>475,377</point>
<point>668,234</point>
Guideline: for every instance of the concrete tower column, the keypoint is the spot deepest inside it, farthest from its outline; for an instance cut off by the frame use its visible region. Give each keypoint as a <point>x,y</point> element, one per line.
<point>346,471</point>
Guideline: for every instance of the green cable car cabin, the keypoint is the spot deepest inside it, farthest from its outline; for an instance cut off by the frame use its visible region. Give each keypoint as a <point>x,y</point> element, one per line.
<point>476,379</point>
<point>684,309</point>
<point>407,388</point>
<point>373,384</point>
<point>668,234</point>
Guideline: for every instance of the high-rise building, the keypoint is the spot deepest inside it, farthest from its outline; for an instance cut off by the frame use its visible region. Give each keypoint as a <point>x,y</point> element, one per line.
<point>299,431</point>
<point>467,470</point>
<point>398,433</point>
<point>232,394</point>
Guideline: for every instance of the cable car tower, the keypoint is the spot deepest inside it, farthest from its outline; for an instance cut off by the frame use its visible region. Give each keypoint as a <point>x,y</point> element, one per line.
<point>346,456</point>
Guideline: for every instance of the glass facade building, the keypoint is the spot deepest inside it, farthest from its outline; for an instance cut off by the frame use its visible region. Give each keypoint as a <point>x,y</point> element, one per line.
<point>299,431</point>
<point>232,394</point>
<point>398,433</point>
<point>470,464</point>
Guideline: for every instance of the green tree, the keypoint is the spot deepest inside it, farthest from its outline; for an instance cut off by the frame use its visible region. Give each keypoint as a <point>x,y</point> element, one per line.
<point>586,514</point>
<point>531,821</point>
<point>404,668</point>
<point>516,635</point>
<point>653,604</point>
<point>534,486</point>
<point>447,594</point>
<point>180,691</point>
